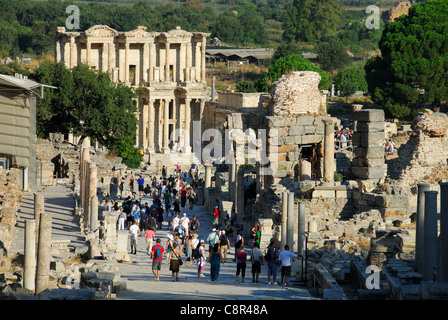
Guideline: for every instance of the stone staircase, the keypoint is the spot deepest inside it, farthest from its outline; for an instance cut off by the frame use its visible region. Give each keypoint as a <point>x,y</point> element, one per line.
<point>170,161</point>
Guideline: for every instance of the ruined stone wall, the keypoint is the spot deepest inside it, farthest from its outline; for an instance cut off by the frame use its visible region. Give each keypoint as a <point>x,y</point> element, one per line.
<point>297,93</point>
<point>402,8</point>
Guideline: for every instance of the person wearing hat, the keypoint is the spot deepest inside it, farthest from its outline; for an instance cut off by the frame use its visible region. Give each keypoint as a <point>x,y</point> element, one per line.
<point>201,260</point>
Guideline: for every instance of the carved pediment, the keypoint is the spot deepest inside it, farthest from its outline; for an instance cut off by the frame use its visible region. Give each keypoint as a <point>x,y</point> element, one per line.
<point>101,31</point>
<point>179,33</point>
<point>139,32</point>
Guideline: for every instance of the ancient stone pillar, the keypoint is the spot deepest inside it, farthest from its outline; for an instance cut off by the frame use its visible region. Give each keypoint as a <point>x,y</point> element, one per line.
<point>126,63</point>
<point>232,175</point>
<point>110,218</point>
<point>305,170</point>
<point>290,221</point>
<point>44,253</point>
<point>329,166</point>
<point>94,213</point>
<point>92,190</point>
<point>187,138</point>
<point>29,275</point>
<point>430,236</point>
<point>39,208</point>
<point>442,265</point>
<point>420,223</point>
<point>284,227</point>
<point>151,133</point>
<point>239,191</point>
<point>301,227</point>
<point>208,181</point>
<point>72,52</point>
<point>145,61</point>
<point>203,58</point>
<point>166,119</point>
<point>88,51</point>
<point>167,62</point>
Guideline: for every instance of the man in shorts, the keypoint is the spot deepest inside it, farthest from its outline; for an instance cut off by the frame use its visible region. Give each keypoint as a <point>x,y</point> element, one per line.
<point>285,259</point>
<point>157,257</point>
<point>134,230</point>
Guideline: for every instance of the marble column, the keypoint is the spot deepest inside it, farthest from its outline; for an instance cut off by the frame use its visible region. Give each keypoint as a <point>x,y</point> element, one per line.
<point>187,138</point>
<point>94,213</point>
<point>430,236</point>
<point>329,166</point>
<point>151,133</point>
<point>145,62</point>
<point>44,253</point>
<point>203,59</point>
<point>290,221</point>
<point>29,274</point>
<point>188,58</point>
<point>72,52</point>
<point>166,125</point>
<point>167,62</point>
<point>284,226</point>
<point>239,191</point>
<point>420,223</point>
<point>305,170</point>
<point>111,57</point>
<point>152,60</point>
<point>442,265</point>
<point>39,208</point>
<point>126,63</point>
<point>88,50</point>
<point>301,227</point>
<point>207,181</point>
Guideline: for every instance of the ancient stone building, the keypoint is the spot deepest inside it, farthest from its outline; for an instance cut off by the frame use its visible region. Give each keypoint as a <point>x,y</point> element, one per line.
<point>168,67</point>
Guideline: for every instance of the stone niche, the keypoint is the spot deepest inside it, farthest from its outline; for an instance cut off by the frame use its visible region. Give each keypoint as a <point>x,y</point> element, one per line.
<point>297,93</point>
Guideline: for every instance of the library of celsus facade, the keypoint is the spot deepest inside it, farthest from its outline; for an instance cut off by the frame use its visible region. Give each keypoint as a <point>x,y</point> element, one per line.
<point>168,67</point>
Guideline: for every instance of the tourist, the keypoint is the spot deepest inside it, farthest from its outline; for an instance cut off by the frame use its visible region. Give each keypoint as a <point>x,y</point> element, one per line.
<point>174,262</point>
<point>141,185</point>
<point>201,260</point>
<point>239,241</point>
<point>191,197</point>
<point>121,219</point>
<point>176,220</point>
<point>285,259</point>
<point>194,224</point>
<point>131,184</point>
<point>159,217</point>
<point>134,231</point>
<point>185,221</point>
<point>189,250</point>
<point>240,264</point>
<point>256,259</point>
<point>215,262</point>
<point>224,244</point>
<point>272,263</point>
<point>143,220</point>
<point>178,240</point>
<point>176,207</point>
<point>212,239</point>
<point>149,235</point>
<point>157,257</point>
<point>167,198</point>
<point>216,217</point>
<point>183,196</point>
<point>180,230</point>
<point>169,217</point>
<point>257,234</point>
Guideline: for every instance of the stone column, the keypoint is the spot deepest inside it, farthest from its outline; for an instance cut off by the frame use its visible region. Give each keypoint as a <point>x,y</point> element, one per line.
<point>420,223</point>
<point>151,133</point>
<point>290,222</point>
<point>152,59</point>
<point>29,275</point>
<point>442,265</point>
<point>203,59</point>
<point>145,62</point>
<point>305,170</point>
<point>88,47</point>
<point>110,218</point>
<point>208,181</point>
<point>188,62</point>
<point>329,166</point>
<point>187,139</point>
<point>94,213</point>
<point>166,125</point>
<point>44,253</point>
<point>92,190</point>
<point>284,226</point>
<point>301,228</point>
<point>167,62</point>
<point>430,237</point>
<point>239,191</point>
<point>72,52</point>
<point>39,208</point>
<point>111,57</point>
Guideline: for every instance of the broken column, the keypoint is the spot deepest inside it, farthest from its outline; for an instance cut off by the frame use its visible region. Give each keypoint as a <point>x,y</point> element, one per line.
<point>29,275</point>
<point>44,253</point>
<point>368,142</point>
<point>442,264</point>
<point>305,170</point>
<point>39,208</point>
<point>94,213</point>
<point>284,227</point>
<point>290,221</point>
<point>430,236</point>
<point>329,165</point>
<point>301,226</point>
<point>239,192</point>
<point>420,223</point>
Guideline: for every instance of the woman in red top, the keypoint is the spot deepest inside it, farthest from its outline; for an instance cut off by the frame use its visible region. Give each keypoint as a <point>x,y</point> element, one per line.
<point>240,264</point>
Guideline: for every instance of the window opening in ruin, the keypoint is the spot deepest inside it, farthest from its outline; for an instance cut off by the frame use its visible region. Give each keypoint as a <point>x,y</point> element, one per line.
<point>312,154</point>
<point>132,69</point>
<point>171,72</point>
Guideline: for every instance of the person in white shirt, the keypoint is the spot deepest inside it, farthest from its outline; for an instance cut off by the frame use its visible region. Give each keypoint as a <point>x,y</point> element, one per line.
<point>185,223</point>
<point>176,221</point>
<point>284,258</point>
<point>134,230</point>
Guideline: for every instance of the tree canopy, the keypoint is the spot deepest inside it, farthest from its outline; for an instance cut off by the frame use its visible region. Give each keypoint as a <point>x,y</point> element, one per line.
<point>413,68</point>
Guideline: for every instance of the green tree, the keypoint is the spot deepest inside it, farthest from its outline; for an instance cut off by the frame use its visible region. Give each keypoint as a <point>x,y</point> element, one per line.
<point>413,68</point>
<point>287,64</point>
<point>332,55</point>
<point>308,20</point>
<point>350,80</point>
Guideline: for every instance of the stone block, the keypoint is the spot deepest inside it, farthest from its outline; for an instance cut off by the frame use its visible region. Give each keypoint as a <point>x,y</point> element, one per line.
<point>392,201</point>
<point>368,115</point>
<point>370,126</point>
<point>370,153</point>
<point>305,120</point>
<point>312,139</point>
<point>296,130</point>
<point>369,173</point>
<point>374,139</point>
<point>363,162</point>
